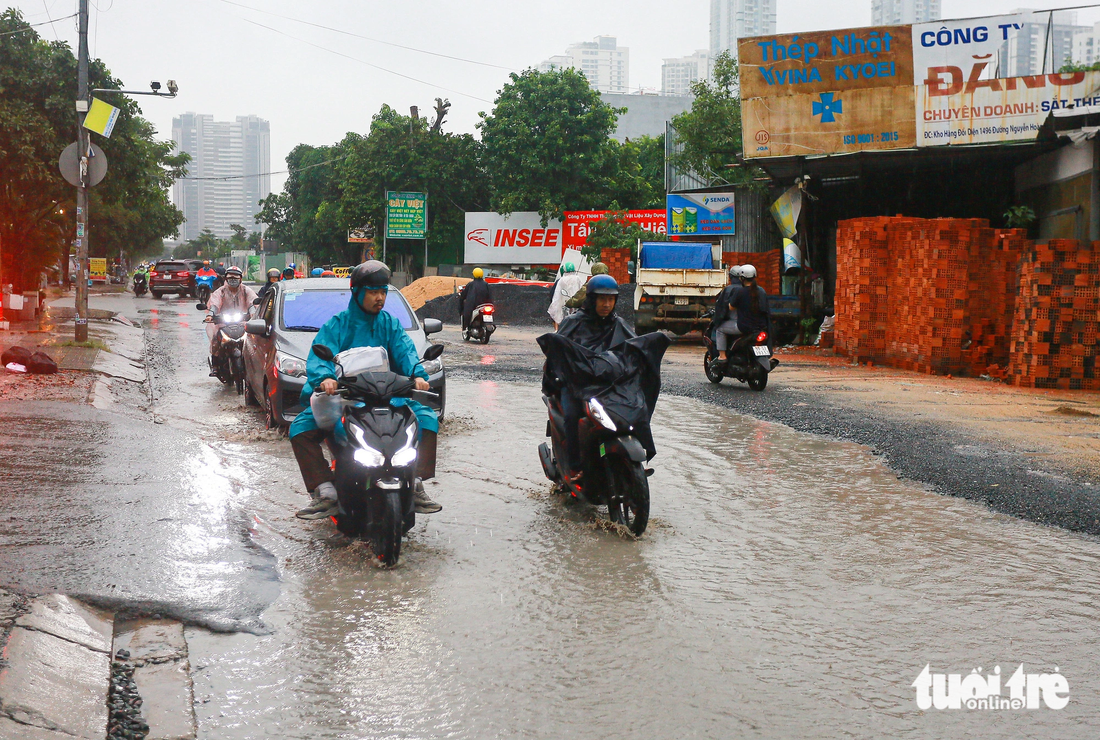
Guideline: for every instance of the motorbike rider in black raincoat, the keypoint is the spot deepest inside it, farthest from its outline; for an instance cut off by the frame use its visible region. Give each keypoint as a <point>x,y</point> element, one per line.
<point>473,294</point>
<point>596,328</point>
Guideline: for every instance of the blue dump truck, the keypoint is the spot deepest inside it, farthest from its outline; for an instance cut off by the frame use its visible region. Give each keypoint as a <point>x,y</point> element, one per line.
<point>678,282</point>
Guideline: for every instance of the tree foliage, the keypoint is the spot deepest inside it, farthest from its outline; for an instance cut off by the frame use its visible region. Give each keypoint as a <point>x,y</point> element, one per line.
<point>130,211</point>
<point>207,245</point>
<point>710,132</point>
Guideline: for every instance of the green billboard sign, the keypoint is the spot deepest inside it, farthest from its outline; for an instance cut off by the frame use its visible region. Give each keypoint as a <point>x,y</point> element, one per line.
<point>406,215</point>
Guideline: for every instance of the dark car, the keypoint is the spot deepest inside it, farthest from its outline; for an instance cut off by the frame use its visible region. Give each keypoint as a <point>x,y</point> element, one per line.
<point>275,350</point>
<point>170,276</point>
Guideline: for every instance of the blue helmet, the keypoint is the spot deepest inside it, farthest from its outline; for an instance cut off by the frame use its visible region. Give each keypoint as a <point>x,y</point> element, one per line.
<point>316,272</point>
<point>602,285</point>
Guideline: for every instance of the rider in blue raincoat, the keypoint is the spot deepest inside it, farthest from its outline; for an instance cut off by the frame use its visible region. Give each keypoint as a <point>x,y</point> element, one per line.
<point>363,324</point>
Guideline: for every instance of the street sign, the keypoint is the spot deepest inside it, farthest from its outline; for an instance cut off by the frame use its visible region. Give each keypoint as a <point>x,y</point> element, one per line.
<point>101,118</point>
<point>406,215</point>
<point>70,167</point>
<point>360,235</point>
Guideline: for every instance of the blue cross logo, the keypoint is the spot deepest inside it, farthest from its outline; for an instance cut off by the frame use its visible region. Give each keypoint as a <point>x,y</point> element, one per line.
<point>828,108</point>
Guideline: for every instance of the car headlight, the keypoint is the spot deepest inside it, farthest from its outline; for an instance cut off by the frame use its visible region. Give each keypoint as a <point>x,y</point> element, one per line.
<point>407,454</point>
<point>365,455</point>
<point>290,365</point>
<point>431,367</point>
<point>597,413</point>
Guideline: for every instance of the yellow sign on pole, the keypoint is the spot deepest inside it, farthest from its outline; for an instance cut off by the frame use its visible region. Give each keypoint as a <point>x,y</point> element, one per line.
<point>97,268</point>
<point>101,118</point>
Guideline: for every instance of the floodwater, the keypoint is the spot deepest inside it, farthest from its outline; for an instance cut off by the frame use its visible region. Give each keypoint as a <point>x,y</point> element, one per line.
<point>788,586</point>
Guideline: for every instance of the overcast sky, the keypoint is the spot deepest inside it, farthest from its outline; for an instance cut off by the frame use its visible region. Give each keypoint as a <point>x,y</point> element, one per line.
<point>314,85</point>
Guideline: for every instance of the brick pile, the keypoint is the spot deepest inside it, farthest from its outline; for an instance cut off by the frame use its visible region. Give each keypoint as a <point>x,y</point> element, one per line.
<point>768,265</point>
<point>861,288</point>
<point>616,260</point>
<point>1056,318</point>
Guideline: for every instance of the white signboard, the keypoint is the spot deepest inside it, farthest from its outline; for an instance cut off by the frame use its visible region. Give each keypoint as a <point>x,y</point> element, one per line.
<point>1013,109</point>
<point>966,47</point>
<point>518,239</point>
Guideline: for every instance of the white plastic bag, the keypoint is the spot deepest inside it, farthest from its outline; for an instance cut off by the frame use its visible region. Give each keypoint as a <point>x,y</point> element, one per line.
<point>327,409</point>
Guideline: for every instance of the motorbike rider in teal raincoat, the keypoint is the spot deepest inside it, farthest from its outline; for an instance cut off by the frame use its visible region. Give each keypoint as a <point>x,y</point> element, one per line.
<point>363,324</point>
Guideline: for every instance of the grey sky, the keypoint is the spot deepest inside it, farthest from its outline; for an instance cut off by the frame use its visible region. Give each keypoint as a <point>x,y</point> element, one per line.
<point>228,66</point>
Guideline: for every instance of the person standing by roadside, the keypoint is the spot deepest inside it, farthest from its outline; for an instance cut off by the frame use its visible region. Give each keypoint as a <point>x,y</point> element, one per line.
<point>564,289</point>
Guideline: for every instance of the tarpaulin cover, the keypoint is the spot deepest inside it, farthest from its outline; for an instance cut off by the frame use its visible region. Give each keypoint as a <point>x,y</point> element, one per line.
<point>676,256</point>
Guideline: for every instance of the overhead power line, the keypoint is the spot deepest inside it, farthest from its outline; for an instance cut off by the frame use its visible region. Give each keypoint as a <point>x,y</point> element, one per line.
<point>368,38</point>
<point>265,174</point>
<point>35,25</point>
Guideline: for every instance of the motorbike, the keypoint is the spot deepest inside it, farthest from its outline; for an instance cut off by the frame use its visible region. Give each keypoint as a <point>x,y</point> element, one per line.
<point>750,359</point>
<point>481,325</point>
<point>204,286</point>
<point>227,358</point>
<point>612,448</point>
<point>375,451</point>
<point>141,284</point>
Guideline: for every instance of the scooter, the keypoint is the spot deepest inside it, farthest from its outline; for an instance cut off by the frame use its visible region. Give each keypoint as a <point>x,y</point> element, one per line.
<point>375,450</point>
<point>227,359</point>
<point>750,359</point>
<point>612,454</point>
<point>481,325</point>
<point>204,286</point>
<point>141,284</point>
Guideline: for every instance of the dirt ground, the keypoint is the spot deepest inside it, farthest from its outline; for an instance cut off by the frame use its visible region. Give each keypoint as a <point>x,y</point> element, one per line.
<point>419,292</point>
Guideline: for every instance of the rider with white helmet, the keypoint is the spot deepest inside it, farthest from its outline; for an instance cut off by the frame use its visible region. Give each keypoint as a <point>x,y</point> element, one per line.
<point>725,316</point>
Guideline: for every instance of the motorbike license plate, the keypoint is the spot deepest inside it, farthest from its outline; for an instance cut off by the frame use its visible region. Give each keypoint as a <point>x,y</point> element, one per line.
<point>487,319</point>
<point>681,300</point>
<point>761,350</point>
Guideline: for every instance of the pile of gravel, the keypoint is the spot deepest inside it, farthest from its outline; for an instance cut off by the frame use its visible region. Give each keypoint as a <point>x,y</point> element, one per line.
<point>519,305</point>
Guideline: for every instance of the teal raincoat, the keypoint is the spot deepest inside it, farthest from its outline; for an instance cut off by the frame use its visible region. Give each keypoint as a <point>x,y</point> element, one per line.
<point>356,328</point>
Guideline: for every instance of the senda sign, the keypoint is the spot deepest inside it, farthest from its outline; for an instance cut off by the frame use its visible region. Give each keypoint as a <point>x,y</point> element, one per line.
<point>578,224</point>
<point>518,239</point>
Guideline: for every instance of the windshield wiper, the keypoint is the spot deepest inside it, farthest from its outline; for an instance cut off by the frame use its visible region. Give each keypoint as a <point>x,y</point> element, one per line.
<point>303,328</point>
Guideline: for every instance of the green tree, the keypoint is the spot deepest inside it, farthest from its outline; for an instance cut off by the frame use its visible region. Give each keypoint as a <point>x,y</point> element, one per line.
<point>130,210</point>
<point>614,231</point>
<point>1071,66</point>
<point>710,133</point>
<point>637,176</point>
<point>547,143</point>
<point>206,245</point>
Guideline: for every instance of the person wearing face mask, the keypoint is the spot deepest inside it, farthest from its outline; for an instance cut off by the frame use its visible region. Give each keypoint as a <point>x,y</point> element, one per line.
<point>233,297</point>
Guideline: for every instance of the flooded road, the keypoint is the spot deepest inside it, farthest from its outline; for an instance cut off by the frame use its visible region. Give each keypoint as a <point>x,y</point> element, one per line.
<point>788,586</point>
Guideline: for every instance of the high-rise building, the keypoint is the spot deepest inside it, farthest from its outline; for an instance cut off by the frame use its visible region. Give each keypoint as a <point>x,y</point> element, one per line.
<point>1086,45</point>
<point>898,12</point>
<point>239,150</point>
<point>602,61</point>
<point>1041,45</point>
<point>731,20</point>
<point>678,74</point>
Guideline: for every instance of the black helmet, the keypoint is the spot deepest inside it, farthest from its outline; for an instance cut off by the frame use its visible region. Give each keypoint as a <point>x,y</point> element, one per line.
<point>371,274</point>
<point>602,285</point>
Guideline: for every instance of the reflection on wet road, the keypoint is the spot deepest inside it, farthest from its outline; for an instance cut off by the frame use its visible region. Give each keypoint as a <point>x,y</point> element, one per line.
<point>788,586</point>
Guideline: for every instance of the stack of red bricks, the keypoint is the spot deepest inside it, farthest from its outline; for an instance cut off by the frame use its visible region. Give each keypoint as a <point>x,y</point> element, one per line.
<point>616,261</point>
<point>861,288</point>
<point>1057,316</point>
<point>993,267</point>
<point>768,265</point>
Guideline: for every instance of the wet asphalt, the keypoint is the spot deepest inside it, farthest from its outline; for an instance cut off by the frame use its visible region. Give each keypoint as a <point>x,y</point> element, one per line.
<point>790,584</point>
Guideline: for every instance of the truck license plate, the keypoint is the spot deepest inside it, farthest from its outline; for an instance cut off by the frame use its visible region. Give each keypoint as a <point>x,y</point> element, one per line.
<point>681,300</point>
<point>761,350</point>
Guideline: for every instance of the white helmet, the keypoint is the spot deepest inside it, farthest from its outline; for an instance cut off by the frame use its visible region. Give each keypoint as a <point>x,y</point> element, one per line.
<point>748,272</point>
<point>735,271</point>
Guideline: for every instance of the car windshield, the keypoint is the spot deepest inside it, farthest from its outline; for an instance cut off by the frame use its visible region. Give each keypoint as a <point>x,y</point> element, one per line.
<point>171,267</point>
<point>308,310</point>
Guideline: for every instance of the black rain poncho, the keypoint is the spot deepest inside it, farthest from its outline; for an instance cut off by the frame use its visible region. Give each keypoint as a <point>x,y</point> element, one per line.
<point>473,294</point>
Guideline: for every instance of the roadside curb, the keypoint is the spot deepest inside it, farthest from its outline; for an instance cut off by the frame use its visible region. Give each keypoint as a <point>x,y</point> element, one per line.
<point>162,672</point>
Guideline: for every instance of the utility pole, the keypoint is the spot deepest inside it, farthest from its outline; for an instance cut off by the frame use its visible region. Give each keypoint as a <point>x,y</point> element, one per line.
<point>83,145</point>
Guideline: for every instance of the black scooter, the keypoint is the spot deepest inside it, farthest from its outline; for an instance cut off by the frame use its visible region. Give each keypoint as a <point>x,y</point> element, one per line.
<point>481,325</point>
<point>375,446</point>
<point>141,284</point>
<point>750,359</point>
<point>227,358</point>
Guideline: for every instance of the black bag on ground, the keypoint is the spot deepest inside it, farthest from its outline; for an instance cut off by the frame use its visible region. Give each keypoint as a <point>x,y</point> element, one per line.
<point>42,364</point>
<point>18,355</point>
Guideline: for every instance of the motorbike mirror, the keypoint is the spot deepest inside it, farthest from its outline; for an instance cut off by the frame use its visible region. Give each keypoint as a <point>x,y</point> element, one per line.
<point>200,306</point>
<point>256,326</point>
<point>432,326</point>
<point>257,301</point>
<point>323,352</point>
<point>433,351</point>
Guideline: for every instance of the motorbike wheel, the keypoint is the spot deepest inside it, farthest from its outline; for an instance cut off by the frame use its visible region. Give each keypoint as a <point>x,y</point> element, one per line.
<point>203,294</point>
<point>386,542</point>
<point>485,336</point>
<point>629,502</point>
<point>713,375</point>
<point>758,379</point>
<point>237,371</point>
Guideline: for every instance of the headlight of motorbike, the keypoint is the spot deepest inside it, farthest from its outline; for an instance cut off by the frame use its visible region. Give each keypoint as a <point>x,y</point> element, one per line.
<point>365,455</point>
<point>232,317</point>
<point>407,454</point>
<point>290,365</point>
<point>431,367</point>
<point>597,413</point>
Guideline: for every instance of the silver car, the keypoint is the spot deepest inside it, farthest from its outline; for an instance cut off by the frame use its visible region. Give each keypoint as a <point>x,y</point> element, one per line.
<point>287,320</point>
